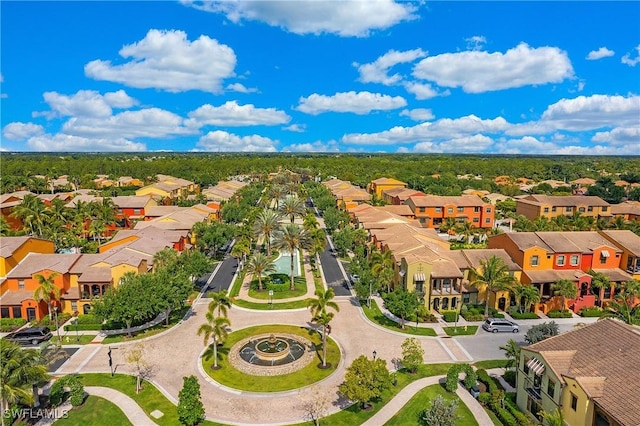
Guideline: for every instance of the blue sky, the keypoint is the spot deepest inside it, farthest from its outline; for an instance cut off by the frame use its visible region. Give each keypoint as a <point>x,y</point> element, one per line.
<point>299,76</point>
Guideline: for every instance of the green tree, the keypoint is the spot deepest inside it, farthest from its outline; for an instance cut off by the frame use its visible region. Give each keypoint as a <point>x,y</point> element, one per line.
<point>492,275</point>
<point>47,290</point>
<point>33,214</point>
<point>267,224</point>
<point>566,289</point>
<point>402,303</point>
<point>511,352</point>
<point>190,408</point>
<point>194,264</point>
<point>440,413</point>
<point>19,370</point>
<point>624,305</point>
<point>320,316</point>
<point>164,258</point>
<point>170,290</point>
<point>136,357</point>
<point>292,207</point>
<point>220,302</point>
<point>525,295</point>
<point>216,328</point>
<point>412,354</point>
<point>600,282</point>
<point>553,418</point>
<point>365,380</point>
<point>292,238</point>
<point>259,266</point>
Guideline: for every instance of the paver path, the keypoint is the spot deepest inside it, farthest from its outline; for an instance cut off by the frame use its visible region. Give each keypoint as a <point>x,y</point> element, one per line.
<point>128,406</point>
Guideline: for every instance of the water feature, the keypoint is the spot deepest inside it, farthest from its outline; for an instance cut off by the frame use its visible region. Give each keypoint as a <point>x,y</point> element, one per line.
<point>271,350</point>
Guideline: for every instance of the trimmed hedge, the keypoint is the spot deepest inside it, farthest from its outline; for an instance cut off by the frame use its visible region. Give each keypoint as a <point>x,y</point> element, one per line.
<point>509,376</point>
<point>520,417</point>
<point>449,316</point>
<point>11,324</point>
<point>592,312</point>
<point>525,315</point>
<point>470,379</point>
<point>560,314</point>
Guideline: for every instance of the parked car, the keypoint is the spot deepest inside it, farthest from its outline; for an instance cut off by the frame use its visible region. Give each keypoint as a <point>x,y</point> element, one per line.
<point>498,324</point>
<point>30,336</point>
<point>474,391</point>
<point>355,278</point>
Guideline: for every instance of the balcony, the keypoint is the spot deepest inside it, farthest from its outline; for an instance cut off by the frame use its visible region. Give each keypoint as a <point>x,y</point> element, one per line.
<point>535,393</point>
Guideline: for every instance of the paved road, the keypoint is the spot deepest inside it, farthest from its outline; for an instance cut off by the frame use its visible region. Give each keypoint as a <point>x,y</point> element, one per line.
<point>333,274</point>
<point>224,276</point>
<point>58,363</point>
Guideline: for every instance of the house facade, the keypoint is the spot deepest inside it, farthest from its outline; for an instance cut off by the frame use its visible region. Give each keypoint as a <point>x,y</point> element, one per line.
<point>378,186</point>
<point>535,206</point>
<point>433,210</point>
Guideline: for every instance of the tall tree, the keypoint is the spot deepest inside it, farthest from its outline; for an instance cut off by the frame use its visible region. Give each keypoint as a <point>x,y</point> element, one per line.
<point>412,354</point>
<point>402,303</point>
<point>525,295</point>
<point>47,290</point>
<point>292,238</point>
<point>220,302</point>
<point>267,224</point>
<point>163,258</point>
<point>566,289</point>
<point>365,380</point>
<point>511,352</point>
<point>624,306</point>
<point>190,408</point>
<point>259,266</point>
<point>600,282</point>
<point>318,307</point>
<point>440,413</point>
<point>492,275</point>
<point>292,207</point>
<point>33,214</point>
<point>216,328</point>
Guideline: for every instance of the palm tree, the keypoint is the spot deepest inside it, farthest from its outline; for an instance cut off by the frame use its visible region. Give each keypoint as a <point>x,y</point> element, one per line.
<point>511,352</point>
<point>599,281</point>
<point>293,207</point>
<point>382,267</point>
<point>266,224</point>
<point>319,315</point>
<point>33,214</point>
<point>292,238</point>
<point>163,258</point>
<point>47,289</point>
<point>216,328</point>
<point>525,295</point>
<point>448,225</point>
<point>623,306</point>
<point>310,221</point>
<point>493,275</point>
<point>553,418</point>
<point>565,289</point>
<point>260,265</point>
<point>221,302</point>
<point>20,369</point>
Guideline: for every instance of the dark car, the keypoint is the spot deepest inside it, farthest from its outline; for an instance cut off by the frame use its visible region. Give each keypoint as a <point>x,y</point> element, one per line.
<point>30,336</point>
<point>474,391</point>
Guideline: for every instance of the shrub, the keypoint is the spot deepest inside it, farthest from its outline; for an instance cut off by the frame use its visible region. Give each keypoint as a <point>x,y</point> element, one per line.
<point>484,398</point>
<point>520,417</point>
<point>62,318</point>
<point>11,324</point>
<point>559,314</point>
<point>449,316</point>
<point>525,315</point>
<point>451,383</point>
<point>76,391</point>
<point>56,393</point>
<point>540,332</point>
<point>591,312</point>
<point>472,315</point>
<point>76,395</point>
<point>491,384</point>
<point>510,377</point>
<point>505,416</point>
<point>89,319</point>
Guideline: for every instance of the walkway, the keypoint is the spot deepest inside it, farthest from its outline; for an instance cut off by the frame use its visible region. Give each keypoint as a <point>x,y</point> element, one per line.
<point>129,407</point>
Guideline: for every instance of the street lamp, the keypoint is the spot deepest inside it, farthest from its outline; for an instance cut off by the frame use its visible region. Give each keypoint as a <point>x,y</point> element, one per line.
<point>75,322</point>
<point>271,298</point>
<point>374,354</point>
<point>55,310</point>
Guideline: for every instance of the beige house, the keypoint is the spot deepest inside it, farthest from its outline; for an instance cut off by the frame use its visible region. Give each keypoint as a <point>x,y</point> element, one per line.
<point>534,206</point>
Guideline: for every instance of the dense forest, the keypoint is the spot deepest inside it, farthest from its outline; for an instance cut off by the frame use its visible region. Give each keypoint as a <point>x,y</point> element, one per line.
<point>416,169</point>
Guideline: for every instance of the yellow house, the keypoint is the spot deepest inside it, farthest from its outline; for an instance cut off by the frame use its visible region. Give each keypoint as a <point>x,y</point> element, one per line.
<point>589,374</point>
<point>534,206</point>
<point>14,249</point>
<point>378,186</point>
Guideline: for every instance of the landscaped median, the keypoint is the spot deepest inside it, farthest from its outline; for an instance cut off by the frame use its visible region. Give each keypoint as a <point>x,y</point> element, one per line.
<point>377,317</point>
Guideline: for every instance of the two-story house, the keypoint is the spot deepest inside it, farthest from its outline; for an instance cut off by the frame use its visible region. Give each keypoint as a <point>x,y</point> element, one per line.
<point>432,210</point>
<point>588,374</point>
<point>378,186</point>
<point>629,243</point>
<point>535,206</point>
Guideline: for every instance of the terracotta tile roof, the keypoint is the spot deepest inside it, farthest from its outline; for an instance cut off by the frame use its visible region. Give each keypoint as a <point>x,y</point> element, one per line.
<point>15,297</point>
<point>401,210</point>
<point>624,239</point>
<point>476,256</point>
<point>553,275</point>
<point>37,262</point>
<point>387,181</point>
<point>72,294</point>
<point>131,201</point>
<point>527,240</point>
<point>606,349</point>
<point>441,201</point>
<point>157,211</point>
<point>615,274</point>
<point>8,245</point>
<point>626,208</point>
<point>566,200</point>
<point>96,274</point>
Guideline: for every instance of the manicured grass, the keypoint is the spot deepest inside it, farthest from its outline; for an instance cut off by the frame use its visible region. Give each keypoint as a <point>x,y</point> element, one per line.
<point>354,415</point>
<point>411,412</point>
<point>375,315</point>
<point>233,378</point>
<point>149,398</point>
<point>95,411</point>
<point>174,318</point>
<point>491,363</point>
<point>461,330</point>
<point>300,289</point>
<point>298,304</point>
<point>71,339</point>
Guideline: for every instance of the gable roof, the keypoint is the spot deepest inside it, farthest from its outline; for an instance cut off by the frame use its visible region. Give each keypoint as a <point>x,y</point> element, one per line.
<point>625,239</point>
<point>37,262</point>
<point>8,245</point>
<point>606,355</point>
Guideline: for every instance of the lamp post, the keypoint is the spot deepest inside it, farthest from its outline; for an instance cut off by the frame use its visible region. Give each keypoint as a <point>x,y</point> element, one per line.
<point>271,299</point>
<point>455,324</point>
<point>55,310</point>
<point>374,354</point>
<point>75,322</point>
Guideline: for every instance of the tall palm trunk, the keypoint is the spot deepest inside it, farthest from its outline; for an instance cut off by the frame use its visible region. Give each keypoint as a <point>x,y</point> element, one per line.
<point>215,352</point>
<point>324,345</point>
<point>292,285</point>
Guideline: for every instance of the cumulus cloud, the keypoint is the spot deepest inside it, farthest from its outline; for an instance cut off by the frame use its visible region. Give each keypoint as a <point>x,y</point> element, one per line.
<point>463,145</point>
<point>317,146</point>
<point>440,130</point>
<point>346,18</point>
<point>424,91</point>
<point>357,103</point>
<point>18,131</point>
<point>475,42</point>
<point>593,112</point>
<point>240,88</point>
<point>298,128</point>
<point>220,141</point>
<point>86,103</point>
<point>532,145</point>
<point>602,52</point>
<point>620,136</point>
<point>628,60</point>
<point>418,114</point>
<point>150,123</point>
<point>232,114</point>
<point>478,71</point>
<point>377,71</point>
<point>70,143</point>
<point>167,60</point>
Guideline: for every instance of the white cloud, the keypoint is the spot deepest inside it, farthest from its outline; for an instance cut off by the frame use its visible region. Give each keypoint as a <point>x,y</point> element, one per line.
<point>602,52</point>
<point>240,88</point>
<point>376,72</point>
<point>232,114</point>
<point>220,141</point>
<point>299,128</point>
<point>69,143</point>
<point>418,114</point>
<point>475,42</point>
<point>317,146</point>
<point>167,60</point>
<point>86,103</point>
<point>18,131</point>
<point>357,103</point>
<point>424,91</point>
<point>444,129</point>
<point>620,136</point>
<point>467,144</point>
<point>531,145</point>
<point>477,72</point>
<point>593,112</point>
<point>151,123</point>
<point>628,60</point>
<point>345,18</point>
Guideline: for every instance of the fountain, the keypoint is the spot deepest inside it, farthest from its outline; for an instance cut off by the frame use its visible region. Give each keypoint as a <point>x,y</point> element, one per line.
<point>270,355</point>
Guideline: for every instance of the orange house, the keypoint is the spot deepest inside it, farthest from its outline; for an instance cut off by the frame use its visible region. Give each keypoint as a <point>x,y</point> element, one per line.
<point>14,249</point>
<point>432,210</point>
<point>17,299</point>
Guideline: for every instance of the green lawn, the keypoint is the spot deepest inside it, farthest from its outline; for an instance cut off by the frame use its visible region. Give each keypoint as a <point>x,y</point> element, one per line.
<point>466,330</point>
<point>375,315</point>
<point>149,398</point>
<point>491,363</point>
<point>233,378</point>
<point>95,411</point>
<point>298,304</point>
<point>71,339</point>
<point>410,413</point>
<point>300,290</point>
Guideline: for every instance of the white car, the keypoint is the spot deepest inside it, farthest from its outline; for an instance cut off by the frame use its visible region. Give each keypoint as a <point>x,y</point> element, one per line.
<point>355,278</point>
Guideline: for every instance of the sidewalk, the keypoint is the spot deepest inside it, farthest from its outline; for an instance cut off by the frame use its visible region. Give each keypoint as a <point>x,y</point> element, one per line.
<point>129,407</point>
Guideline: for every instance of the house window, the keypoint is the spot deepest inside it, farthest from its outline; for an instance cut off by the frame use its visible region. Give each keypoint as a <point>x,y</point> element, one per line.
<point>460,209</point>
<point>466,298</point>
<point>4,312</point>
<point>574,402</point>
<point>476,220</point>
<point>534,408</point>
<point>551,388</point>
<point>574,260</point>
<point>568,209</point>
<point>553,209</point>
<point>450,210</point>
<point>534,260</point>
<point>476,209</point>
<point>581,210</point>
<point>20,284</point>
<point>421,209</point>
<point>438,209</point>
<point>487,220</point>
<point>546,209</point>
<point>488,210</point>
<point>590,208</point>
<point>605,208</point>
<point>136,211</point>
<point>74,306</point>
<point>526,365</point>
<point>560,260</point>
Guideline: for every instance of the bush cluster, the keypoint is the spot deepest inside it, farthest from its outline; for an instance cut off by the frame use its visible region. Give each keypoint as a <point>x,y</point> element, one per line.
<point>11,324</point>
<point>76,391</point>
<point>559,314</point>
<point>509,376</point>
<point>51,323</point>
<point>449,316</point>
<point>591,312</point>
<point>525,315</point>
<point>281,284</point>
